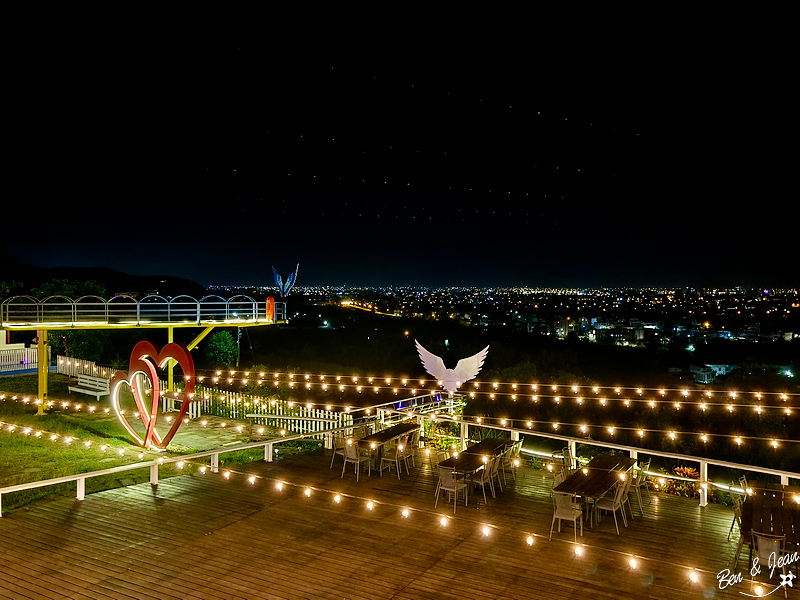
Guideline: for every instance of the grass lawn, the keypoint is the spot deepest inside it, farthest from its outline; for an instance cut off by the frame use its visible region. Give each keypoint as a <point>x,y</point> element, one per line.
<point>67,441</point>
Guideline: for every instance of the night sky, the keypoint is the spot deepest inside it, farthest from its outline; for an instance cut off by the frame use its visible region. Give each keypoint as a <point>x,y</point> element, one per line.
<point>215,162</point>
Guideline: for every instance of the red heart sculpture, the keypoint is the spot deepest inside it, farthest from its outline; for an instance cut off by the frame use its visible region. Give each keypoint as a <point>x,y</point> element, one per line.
<point>145,357</point>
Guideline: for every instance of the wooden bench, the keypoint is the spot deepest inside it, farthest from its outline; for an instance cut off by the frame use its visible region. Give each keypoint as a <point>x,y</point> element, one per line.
<point>94,386</point>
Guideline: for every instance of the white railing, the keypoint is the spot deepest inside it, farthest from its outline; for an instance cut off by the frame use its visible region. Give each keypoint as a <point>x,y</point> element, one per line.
<point>515,434</point>
<point>153,465</point>
<point>634,452</point>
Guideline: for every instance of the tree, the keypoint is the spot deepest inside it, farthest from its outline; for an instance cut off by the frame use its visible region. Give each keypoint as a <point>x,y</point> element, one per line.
<point>221,349</point>
<point>9,288</point>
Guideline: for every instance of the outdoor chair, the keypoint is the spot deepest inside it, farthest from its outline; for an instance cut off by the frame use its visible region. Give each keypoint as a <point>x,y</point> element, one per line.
<point>558,478</point>
<point>627,483</point>
<point>770,548</point>
<point>483,478</point>
<point>743,483</point>
<point>511,459</point>
<point>639,482</point>
<point>613,504</point>
<point>564,509</point>
<point>494,473</point>
<point>451,485</point>
<point>352,454</point>
<point>395,455</point>
<point>564,456</point>
<point>413,448</point>
<point>338,446</point>
<point>737,520</point>
<point>737,515</point>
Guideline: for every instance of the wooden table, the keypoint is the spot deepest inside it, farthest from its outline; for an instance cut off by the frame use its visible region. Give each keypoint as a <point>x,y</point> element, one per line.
<point>376,441</point>
<point>773,509</point>
<point>596,478</point>
<point>474,458</point>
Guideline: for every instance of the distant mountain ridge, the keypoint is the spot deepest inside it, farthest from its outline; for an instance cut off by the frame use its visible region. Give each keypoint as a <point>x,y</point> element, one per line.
<point>115,282</point>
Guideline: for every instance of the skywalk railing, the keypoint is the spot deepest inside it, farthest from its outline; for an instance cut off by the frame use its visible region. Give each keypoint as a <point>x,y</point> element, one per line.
<point>26,312</point>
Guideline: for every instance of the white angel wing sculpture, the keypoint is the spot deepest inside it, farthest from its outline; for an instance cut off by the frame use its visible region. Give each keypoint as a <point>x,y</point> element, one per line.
<point>466,369</point>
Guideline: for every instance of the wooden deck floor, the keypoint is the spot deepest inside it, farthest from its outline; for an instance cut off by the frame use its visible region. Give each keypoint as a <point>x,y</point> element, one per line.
<point>204,537</point>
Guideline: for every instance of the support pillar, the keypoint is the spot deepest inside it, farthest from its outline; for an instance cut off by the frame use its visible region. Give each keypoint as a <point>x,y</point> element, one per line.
<point>43,365</point>
<point>703,480</point>
<point>170,362</point>
<point>573,452</point>
<point>154,474</point>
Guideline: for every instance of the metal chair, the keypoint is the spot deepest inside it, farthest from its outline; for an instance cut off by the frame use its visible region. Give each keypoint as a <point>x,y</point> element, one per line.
<point>639,482</point>
<point>483,477</point>
<point>613,504</point>
<point>743,483</point>
<point>338,445</point>
<point>511,459</point>
<point>413,447</point>
<point>627,482</point>
<point>451,485</point>
<point>352,454</point>
<point>566,458</point>
<point>737,515</point>
<point>737,520</point>
<point>564,509</point>
<point>494,473</point>
<point>769,548</point>
<point>395,455</point>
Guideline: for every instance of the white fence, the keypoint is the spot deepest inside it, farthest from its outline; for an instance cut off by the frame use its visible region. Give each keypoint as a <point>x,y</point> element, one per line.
<point>16,359</point>
<point>289,415</point>
<point>72,367</point>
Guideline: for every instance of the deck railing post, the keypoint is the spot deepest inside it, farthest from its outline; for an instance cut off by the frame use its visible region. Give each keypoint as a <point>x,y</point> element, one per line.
<point>464,428</point>
<point>215,463</point>
<point>268,452</point>
<point>154,474</point>
<point>703,483</point>
<point>784,480</point>
<point>81,488</point>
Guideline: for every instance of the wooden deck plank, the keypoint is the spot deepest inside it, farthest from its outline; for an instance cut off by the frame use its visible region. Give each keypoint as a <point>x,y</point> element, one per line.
<point>201,536</point>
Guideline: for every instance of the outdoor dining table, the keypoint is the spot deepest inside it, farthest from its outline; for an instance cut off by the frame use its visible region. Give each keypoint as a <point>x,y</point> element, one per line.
<point>597,477</point>
<point>473,458</point>
<point>774,509</point>
<point>377,440</point>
